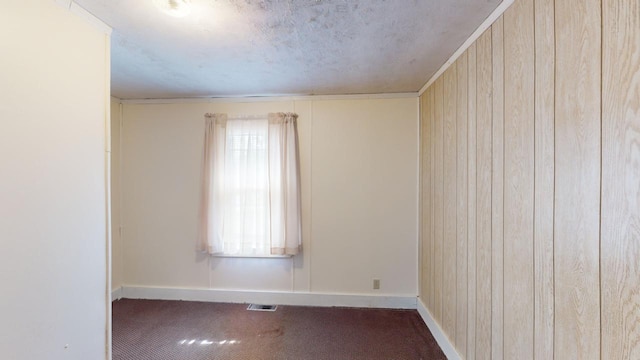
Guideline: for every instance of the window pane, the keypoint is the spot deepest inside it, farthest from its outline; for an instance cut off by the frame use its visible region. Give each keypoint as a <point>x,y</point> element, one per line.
<point>246,210</point>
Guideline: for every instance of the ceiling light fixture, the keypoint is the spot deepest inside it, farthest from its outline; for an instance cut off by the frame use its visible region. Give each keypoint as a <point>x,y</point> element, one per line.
<point>176,8</point>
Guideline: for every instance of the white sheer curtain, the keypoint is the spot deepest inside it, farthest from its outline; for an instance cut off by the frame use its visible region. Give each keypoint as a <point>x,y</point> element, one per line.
<point>251,186</point>
<point>284,184</point>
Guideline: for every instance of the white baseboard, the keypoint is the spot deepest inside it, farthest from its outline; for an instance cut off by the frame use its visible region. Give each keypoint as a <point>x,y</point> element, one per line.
<point>116,294</point>
<point>269,297</point>
<point>442,339</point>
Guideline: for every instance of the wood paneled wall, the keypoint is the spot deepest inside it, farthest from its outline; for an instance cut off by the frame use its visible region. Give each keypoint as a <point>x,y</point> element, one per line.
<point>530,230</point>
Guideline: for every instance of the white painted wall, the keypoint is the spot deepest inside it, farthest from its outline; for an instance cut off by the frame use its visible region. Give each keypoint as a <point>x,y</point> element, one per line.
<point>116,195</point>
<point>359,190</point>
<point>364,173</point>
<point>54,77</point>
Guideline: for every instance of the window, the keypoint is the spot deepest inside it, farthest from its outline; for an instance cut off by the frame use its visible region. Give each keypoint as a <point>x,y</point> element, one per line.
<point>251,186</point>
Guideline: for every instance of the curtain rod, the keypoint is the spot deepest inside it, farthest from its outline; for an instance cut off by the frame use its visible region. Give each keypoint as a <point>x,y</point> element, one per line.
<point>248,117</point>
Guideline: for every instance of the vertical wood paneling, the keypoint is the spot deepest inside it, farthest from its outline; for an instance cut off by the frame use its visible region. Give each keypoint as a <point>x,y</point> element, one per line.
<point>620,242</point>
<point>425,207</point>
<point>497,193</point>
<point>461,195</point>
<point>434,179</point>
<point>518,197</point>
<point>483,192</point>
<point>518,145</point>
<point>471,205</point>
<point>544,170</point>
<point>438,197</point>
<point>450,242</point>
<point>577,179</point>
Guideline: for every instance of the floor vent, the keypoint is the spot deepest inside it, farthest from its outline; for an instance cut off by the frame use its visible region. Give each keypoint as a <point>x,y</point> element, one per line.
<point>259,307</point>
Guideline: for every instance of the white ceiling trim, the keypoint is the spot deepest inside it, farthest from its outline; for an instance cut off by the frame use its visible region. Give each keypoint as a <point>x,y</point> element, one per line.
<point>90,18</point>
<point>248,99</point>
<point>84,14</point>
<point>476,34</point>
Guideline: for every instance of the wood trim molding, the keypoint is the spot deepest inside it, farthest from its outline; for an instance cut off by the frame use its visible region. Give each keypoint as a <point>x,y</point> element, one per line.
<point>504,5</point>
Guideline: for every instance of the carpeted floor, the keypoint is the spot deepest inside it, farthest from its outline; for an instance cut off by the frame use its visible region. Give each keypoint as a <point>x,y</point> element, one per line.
<point>182,330</point>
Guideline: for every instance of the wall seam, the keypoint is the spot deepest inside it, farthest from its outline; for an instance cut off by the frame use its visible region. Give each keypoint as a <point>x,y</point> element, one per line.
<point>555,101</point>
<point>108,209</point>
<point>121,195</point>
<point>310,198</point>
<point>600,298</point>
<point>420,200</point>
<point>535,161</point>
<point>504,103</point>
<point>491,202</point>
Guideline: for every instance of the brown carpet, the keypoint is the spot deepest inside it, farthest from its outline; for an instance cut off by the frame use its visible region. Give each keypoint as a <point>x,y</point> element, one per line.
<point>183,330</point>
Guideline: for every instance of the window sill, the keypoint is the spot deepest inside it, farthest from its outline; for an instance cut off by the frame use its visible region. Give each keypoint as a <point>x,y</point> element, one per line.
<point>252,256</point>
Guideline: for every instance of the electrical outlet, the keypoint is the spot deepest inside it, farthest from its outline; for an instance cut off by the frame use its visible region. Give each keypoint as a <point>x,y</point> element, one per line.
<point>376,284</point>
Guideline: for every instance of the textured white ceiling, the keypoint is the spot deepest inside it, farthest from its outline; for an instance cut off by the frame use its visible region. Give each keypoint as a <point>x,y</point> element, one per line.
<point>283,47</point>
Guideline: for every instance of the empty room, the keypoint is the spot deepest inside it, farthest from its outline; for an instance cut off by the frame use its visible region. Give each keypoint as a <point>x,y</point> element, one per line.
<point>320,179</point>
